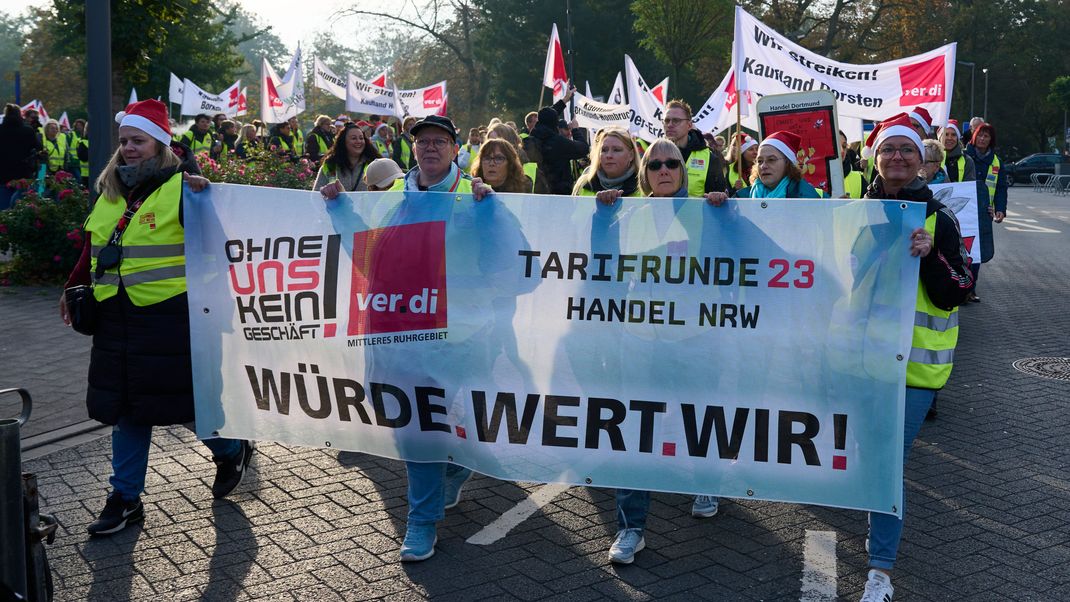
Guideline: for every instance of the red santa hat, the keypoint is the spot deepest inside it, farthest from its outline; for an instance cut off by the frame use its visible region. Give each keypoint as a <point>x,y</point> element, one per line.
<point>922,116</point>
<point>149,116</point>
<point>786,142</point>
<point>746,143</point>
<point>953,124</point>
<point>898,125</point>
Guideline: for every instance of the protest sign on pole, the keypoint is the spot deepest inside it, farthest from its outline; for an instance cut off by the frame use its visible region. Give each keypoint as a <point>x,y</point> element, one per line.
<point>812,117</point>
<point>647,110</point>
<point>327,80</point>
<point>767,62</point>
<point>594,115</point>
<point>363,97</point>
<point>961,199</point>
<point>374,323</point>
<point>195,100</point>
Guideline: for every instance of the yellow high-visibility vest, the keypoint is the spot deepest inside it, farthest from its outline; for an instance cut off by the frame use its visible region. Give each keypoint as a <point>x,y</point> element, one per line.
<point>936,332</point>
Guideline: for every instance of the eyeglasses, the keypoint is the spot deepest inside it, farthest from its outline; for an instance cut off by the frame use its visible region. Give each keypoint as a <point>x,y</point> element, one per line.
<point>439,143</point>
<point>674,120</point>
<point>906,152</point>
<point>657,164</point>
<point>495,160</point>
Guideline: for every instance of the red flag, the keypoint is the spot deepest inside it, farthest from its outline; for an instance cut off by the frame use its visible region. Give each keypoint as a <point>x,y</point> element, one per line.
<point>273,94</point>
<point>661,91</point>
<point>379,80</point>
<point>445,101</point>
<point>553,74</point>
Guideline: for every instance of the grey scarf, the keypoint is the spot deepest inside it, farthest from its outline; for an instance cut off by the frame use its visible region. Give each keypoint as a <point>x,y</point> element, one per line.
<point>132,175</point>
<point>614,183</point>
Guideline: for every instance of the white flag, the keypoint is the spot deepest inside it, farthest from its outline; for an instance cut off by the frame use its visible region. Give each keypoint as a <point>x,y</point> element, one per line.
<point>174,93</point>
<point>769,63</point>
<point>420,102</point>
<point>647,112</point>
<point>363,97</point>
<point>133,96</point>
<point>327,80</point>
<point>242,105</point>
<point>661,92</point>
<point>195,100</point>
<point>719,111</point>
<point>281,99</point>
<point>64,121</point>
<point>553,72</point>
<point>379,80</point>
<point>616,96</point>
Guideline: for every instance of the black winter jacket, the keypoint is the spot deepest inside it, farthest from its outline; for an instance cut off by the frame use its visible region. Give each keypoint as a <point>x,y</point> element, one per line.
<point>554,153</point>
<point>945,270</point>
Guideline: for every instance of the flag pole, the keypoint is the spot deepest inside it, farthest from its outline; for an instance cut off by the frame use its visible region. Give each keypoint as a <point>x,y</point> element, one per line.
<point>739,137</point>
<point>571,69</point>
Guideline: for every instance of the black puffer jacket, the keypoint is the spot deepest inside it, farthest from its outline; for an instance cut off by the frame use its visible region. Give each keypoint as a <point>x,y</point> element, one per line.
<point>944,271</point>
<point>140,365</point>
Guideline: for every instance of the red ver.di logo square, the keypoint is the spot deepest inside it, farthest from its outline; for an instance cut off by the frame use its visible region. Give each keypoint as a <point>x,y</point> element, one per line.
<point>923,82</point>
<point>399,279</point>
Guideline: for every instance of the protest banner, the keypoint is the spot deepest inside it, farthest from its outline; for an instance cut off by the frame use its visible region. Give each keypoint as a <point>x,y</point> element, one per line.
<point>594,115</point>
<point>767,62</point>
<point>327,80</point>
<point>667,346</point>
<point>961,198</point>
<point>421,102</point>
<point>196,100</point>
<point>812,117</point>
<point>647,111</point>
<point>363,97</point>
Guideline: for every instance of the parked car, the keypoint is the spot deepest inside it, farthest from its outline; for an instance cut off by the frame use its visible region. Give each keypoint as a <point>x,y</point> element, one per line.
<point>1019,172</point>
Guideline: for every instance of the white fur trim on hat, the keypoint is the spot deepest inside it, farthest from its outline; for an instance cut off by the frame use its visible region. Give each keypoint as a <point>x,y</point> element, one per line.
<point>145,125</point>
<point>954,127</point>
<point>924,124</point>
<point>783,148</point>
<point>748,144</point>
<point>899,130</point>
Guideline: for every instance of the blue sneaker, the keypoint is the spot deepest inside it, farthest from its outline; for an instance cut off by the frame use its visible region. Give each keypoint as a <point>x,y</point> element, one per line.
<point>419,543</point>
<point>454,483</point>
<point>705,506</point>
<point>626,545</point>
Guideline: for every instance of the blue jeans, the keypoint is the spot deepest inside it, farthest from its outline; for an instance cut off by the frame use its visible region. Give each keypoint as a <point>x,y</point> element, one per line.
<point>130,456</point>
<point>427,488</point>
<point>632,508</point>
<point>885,530</point>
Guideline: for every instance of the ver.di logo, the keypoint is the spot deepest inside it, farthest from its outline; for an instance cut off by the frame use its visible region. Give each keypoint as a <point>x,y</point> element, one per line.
<point>399,279</point>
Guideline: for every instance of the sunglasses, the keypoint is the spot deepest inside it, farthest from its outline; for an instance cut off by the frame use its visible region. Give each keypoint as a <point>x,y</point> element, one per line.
<point>657,164</point>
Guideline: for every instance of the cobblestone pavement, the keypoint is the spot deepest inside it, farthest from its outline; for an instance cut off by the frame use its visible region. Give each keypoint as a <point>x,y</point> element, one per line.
<point>987,513</point>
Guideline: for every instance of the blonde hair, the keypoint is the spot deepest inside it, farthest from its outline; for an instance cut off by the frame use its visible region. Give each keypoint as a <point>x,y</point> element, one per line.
<point>110,186</point>
<point>245,129</point>
<point>934,150</point>
<point>665,148</point>
<point>591,172</point>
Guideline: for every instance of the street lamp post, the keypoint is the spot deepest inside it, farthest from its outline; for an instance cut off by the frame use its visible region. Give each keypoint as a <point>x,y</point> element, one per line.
<point>984,113</point>
<point>973,71</point>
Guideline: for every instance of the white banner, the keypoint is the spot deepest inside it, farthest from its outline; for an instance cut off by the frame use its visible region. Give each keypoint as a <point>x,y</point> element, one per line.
<point>421,102</point>
<point>174,93</point>
<point>196,100</point>
<point>594,115</point>
<point>616,96</point>
<point>769,63</point>
<point>327,80</point>
<point>362,97</point>
<point>647,112</point>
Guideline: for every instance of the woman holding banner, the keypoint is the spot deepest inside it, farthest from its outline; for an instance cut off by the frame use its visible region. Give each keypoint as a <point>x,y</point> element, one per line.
<point>776,173</point>
<point>991,191</point>
<point>944,282</point>
<point>499,166</point>
<point>614,167</point>
<point>343,166</point>
<point>140,369</point>
<point>662,173</point>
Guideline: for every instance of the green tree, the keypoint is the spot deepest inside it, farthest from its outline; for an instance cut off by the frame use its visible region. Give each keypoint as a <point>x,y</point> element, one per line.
<point>680,32</point>
<point>13,30</point>
<point>1059,95</point>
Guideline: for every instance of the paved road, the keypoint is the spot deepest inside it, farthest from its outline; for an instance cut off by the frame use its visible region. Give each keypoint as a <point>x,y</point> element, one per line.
<point>987,487</point>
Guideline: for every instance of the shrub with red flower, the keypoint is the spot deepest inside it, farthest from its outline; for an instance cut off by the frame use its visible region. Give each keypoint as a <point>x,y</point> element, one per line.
<point>43,234</point>
<point>260,168</point>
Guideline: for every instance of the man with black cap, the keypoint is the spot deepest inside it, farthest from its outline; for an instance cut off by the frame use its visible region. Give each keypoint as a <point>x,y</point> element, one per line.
<point>553,152</point>
<point>435,147</point>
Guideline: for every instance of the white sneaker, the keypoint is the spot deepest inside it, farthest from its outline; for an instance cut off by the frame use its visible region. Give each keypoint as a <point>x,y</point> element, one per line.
<point>626,545</point>
<point>878,587</point>
<point>705,506</point>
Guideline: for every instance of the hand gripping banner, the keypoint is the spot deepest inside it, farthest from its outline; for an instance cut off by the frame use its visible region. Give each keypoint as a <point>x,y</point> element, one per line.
<point>750,350</point>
